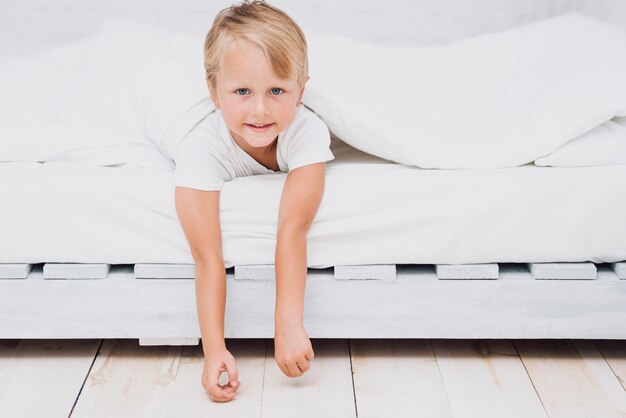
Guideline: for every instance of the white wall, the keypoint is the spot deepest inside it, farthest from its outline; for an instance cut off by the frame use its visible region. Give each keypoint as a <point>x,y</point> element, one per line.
<point>32,25</point>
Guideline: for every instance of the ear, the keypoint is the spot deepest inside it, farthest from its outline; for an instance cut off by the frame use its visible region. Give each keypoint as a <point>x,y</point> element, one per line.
<point>213,95</point>
<point>302,91</point>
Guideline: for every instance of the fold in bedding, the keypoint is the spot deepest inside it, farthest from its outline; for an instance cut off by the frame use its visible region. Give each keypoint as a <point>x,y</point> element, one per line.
<point>373,212</point>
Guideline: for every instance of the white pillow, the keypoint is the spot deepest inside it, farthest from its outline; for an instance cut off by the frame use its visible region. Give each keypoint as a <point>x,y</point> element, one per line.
<point>603,145</point>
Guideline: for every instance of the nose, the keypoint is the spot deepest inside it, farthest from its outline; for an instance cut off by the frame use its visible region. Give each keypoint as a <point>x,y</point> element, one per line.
<point>260,105</point>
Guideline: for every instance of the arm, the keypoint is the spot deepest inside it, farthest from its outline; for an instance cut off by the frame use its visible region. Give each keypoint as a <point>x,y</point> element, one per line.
<point>198,212</point>
<point>300,200</point>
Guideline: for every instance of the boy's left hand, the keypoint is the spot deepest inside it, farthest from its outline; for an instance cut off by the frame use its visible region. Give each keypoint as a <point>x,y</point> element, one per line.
<point>292,349</point>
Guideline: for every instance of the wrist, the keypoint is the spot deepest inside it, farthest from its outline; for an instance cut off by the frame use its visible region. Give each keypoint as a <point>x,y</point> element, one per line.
<point>211,347</point>
<point>288,318</point>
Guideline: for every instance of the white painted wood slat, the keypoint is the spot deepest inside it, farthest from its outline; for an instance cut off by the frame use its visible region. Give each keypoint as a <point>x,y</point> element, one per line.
<point>15,270</point>
<point>75,271</point>
<point>467,271</point>
<point>620,269</point>
<point>168,341</point>
<point>164,271</point>
<point>563,271</point>
<point>366,272</point>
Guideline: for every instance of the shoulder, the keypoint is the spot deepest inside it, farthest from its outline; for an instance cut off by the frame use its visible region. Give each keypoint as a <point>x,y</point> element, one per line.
<point>306,119</point>
<point>306,127</point>
<point>306,141</point>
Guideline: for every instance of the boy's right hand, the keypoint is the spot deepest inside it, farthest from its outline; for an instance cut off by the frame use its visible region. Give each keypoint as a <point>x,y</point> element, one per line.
<point>215,363</point>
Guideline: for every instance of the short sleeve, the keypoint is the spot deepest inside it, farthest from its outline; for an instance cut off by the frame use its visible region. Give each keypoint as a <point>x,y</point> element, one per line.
<point>310,143</point>
<point>198,165</point>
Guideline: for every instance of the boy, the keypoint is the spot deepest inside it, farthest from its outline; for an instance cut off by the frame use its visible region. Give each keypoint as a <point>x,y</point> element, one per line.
<point>256,69</point>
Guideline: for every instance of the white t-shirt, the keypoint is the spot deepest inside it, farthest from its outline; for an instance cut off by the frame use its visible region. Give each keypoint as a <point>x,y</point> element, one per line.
<point>208,156</point>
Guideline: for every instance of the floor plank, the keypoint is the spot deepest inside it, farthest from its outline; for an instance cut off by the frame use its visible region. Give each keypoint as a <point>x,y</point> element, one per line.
<point>189,397</point>
<point>42,378</point>
<point>438,378</point>
<point>614,352</point>
<point>128,380</point>
<point>397,376</point>
<point>568,387</point>
<point>601,371</point>
<point>325,390</point>
<point>485,378</point>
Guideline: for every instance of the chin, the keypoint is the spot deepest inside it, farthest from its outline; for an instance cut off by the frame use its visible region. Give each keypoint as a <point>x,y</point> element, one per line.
<point>259,144</point>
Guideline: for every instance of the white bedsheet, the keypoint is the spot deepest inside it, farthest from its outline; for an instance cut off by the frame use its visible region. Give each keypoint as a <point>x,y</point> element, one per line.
<point>373,212</point>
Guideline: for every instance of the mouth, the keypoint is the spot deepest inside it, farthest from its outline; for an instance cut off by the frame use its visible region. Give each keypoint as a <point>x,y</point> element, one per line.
<point>259,128</point>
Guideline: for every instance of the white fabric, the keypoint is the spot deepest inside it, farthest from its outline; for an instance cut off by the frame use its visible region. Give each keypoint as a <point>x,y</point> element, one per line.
<point>208,156</point>
<point>603,145</point>
<point>372,212</point>
<point>496,100</point>
<point>77,141</point>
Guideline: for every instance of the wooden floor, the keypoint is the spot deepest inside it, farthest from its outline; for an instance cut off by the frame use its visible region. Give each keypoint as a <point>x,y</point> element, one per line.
<point>348,378</point>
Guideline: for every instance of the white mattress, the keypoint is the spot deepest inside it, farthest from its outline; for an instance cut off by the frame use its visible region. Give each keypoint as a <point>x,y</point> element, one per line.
<point>373,212</point>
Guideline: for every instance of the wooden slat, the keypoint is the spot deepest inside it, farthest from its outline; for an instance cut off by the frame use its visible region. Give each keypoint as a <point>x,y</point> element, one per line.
<point>325,390</point>
<point>168,341</point>
<point>262,272</point>
<point>15,270</point>
<point>189,398</point>
<point>366,272</point>
<point>485,378</point>
<point>563,271</point>
<point>614,352</point>
<point>129,380</point>
<point>42,378</point>
<point>416,305</point>
<point>164,271</point>
<point>395,377</point>
<point>619,269</point>
<point>467,271</point>
<point>601,371</point>
<point>564,381</point>
<point>75,271</point>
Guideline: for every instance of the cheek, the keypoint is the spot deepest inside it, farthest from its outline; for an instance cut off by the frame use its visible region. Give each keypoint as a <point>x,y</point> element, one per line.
<point>232,119</point>
<point>287,114</point>
<point>283,108</point>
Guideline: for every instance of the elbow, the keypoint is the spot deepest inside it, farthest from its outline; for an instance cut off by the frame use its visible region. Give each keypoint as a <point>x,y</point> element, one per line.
<point>294,226</point>
<point>206,259</point>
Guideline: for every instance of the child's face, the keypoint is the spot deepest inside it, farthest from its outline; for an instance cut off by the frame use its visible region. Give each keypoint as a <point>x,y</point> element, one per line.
<point>248,92</point>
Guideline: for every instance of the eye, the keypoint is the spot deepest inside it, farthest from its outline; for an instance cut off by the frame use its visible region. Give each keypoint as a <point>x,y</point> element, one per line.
<point>276,88</point>
<point>238,90</point>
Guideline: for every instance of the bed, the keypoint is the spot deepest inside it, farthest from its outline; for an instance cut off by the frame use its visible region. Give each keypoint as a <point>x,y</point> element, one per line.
<point>429,237</point>
<point>97,252</point>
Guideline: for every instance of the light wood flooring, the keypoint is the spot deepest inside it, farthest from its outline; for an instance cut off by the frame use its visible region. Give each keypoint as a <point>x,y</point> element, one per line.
<point>348,378</point>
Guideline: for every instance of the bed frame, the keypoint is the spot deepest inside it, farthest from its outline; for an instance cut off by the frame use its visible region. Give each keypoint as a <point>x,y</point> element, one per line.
<point>156,302</point>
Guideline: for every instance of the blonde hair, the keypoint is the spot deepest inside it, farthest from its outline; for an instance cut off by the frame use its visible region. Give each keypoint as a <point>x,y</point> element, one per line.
<point>272,30</point>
